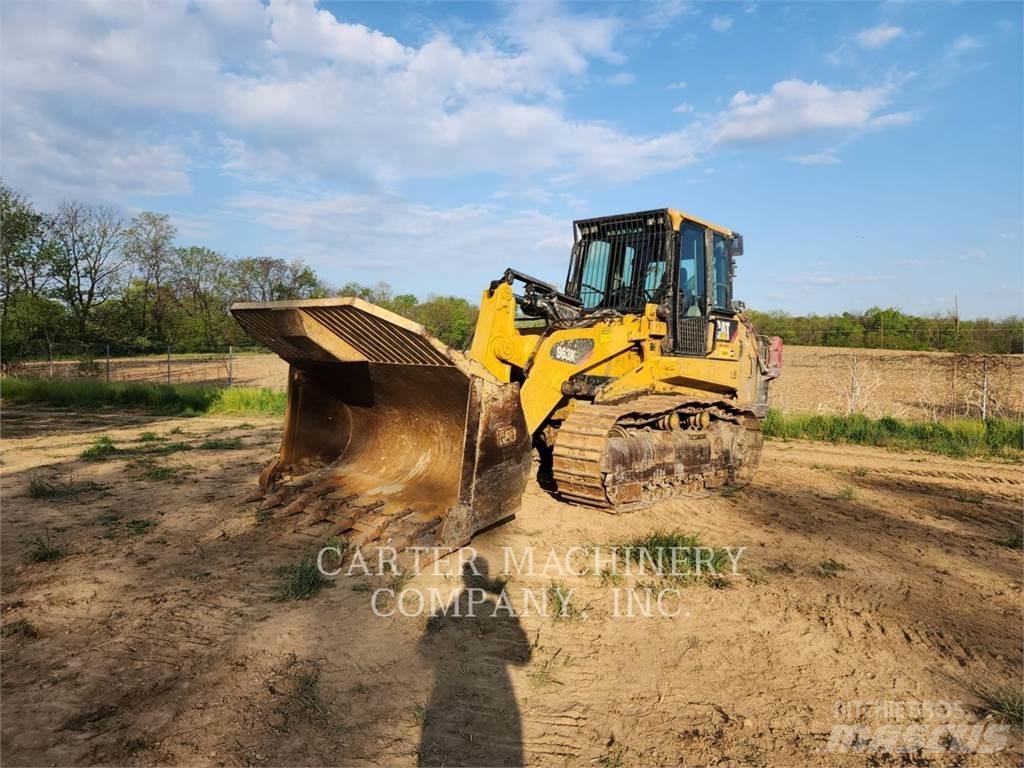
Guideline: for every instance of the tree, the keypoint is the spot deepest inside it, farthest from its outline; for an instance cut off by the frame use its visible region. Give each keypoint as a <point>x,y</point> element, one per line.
<point>269,279</point>
<point>203,284</point>
<point>149,245</point>
<point>29,319</point>
<point>87,258</point>
<point>24,248</point>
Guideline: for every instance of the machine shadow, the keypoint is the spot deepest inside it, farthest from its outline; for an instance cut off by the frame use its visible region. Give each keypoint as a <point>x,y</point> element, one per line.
<point>472,716</point>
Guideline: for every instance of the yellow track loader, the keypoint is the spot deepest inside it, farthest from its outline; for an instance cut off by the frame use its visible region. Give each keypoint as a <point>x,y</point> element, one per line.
<point>643,380</point>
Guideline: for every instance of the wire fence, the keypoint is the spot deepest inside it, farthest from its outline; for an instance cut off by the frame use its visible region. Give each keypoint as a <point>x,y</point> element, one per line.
<point>876,382</point>
<point>900,383</point>
<point>225,367</point>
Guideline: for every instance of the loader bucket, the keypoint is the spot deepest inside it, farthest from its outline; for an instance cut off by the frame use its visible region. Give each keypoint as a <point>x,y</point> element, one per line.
<point>391,438</point>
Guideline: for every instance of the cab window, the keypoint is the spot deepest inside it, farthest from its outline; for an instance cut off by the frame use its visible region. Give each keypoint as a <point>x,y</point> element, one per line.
<point>691,270</point>
<point>721,273</point>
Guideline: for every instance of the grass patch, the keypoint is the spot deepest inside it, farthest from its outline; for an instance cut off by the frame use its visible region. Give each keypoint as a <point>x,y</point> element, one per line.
<point>846,493</point>
<point>1004,703</point>
<point>692,558</point>
<point>221,444</point>
<point>42,550</point>
<point>138,527</point>
<point>560,601</point>
<point>21,627</point>
<point>150,437</point>
<point>249,401</point>
<point>165,449</point>
<point>101,449</point>
<point>542,673</point>
<point>830,568</point>
<point>300,582</point>
<point>58,489</point>
<point>150,470</point>
<point>1013,541</point>
<point>959,438</point>
<point>187,399</point>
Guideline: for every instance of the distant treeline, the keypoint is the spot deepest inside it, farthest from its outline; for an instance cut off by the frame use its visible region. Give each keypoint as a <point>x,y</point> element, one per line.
<point>79,280</point>
<point>892,329</point>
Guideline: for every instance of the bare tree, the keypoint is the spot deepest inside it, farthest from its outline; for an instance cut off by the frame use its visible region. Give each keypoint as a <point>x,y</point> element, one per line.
<point>852,386</point>
<point>87,257</point>
<point>149,245</point>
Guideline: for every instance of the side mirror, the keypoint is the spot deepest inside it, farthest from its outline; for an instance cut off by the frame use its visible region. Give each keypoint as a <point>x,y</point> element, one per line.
<point>735,247</point>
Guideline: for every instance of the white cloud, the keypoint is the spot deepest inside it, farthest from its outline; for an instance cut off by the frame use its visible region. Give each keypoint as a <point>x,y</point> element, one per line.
<point>721,23</point>
<point>972,254</point>
<point>878,37</point>
<point>892,120</point>
<point>828,157</point>
<point>622,78</point>
<point>379,234</point>
<point>793,107</point>
<point>288,91</point>
<point>962,45</point>
<point>683,109</point>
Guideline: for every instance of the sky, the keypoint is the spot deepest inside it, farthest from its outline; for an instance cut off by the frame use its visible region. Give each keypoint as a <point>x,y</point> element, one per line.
<point>871,154</point>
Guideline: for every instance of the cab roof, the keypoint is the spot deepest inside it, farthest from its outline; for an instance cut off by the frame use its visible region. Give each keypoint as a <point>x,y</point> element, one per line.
<point>669,218</point>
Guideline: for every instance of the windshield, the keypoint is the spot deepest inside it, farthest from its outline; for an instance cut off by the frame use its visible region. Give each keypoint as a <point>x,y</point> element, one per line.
<point>623,270</point>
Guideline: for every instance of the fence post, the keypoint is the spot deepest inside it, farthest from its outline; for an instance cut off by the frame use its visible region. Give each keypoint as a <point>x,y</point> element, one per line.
<point>984,389</point>
<point>49,349</point>
<point>230,350</point>
<point>108,363</point>
<point>168,363</point>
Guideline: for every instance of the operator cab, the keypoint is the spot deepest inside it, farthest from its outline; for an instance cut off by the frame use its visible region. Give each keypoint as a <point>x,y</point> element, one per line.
<point>665,257</point>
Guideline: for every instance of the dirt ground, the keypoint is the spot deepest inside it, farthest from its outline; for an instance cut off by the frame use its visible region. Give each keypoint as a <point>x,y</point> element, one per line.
<point>159,637</point>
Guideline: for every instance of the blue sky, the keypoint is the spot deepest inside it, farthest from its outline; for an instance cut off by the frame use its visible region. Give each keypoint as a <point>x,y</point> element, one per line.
<point>869,153</point>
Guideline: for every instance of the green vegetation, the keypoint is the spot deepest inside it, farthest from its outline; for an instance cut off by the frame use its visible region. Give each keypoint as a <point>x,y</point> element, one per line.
<point>846,493</point>
<point>41,550</point>
<point>830,568</point>
<point>186,399</point>
<point>1013,541</point>
<point>221,444</point>
<point>158,473</point>
<point>957,438</point>
<point>101,449</point>
<point>300,582</point>
<point>560,602</point>
<point>659,547</point>
<point>892,329</point>
<point>22,627</point>
<point>38,488</point>
<point>1004,703</point>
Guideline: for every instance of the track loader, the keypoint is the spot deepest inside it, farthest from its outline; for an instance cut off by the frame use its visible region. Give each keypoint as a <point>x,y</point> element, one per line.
<point>642,380</point>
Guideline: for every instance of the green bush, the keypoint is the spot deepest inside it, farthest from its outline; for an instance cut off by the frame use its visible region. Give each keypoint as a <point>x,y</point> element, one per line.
<point>958,438</point>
